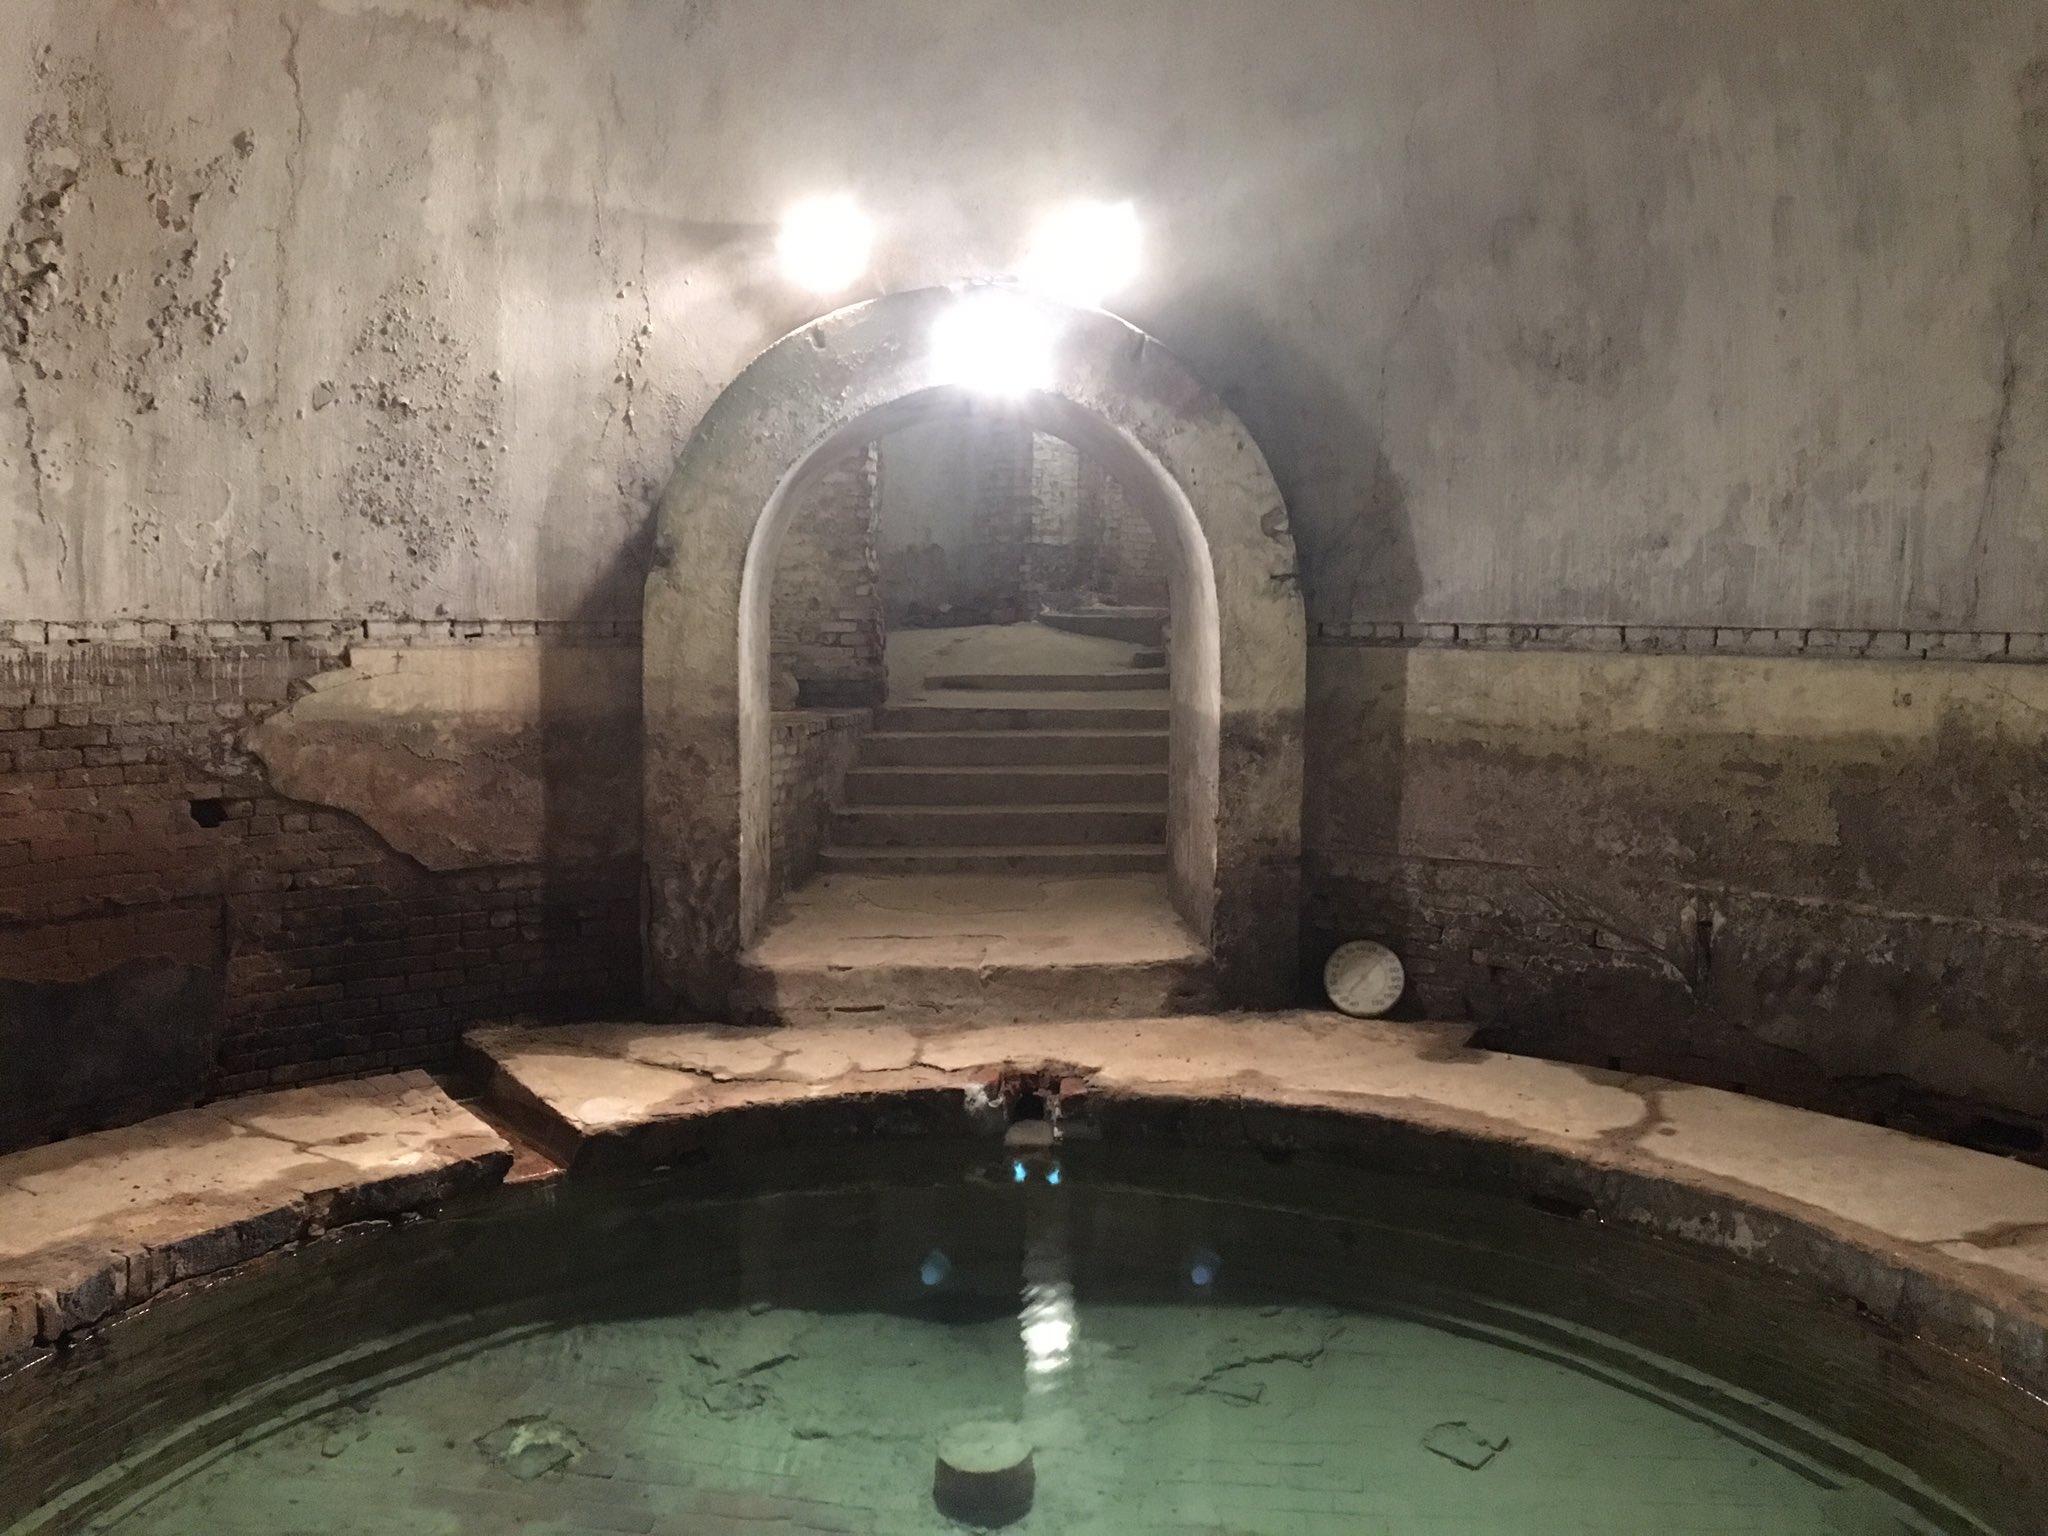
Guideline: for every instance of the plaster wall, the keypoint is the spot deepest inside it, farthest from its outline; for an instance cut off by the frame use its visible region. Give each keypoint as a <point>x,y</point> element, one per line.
<point>1588,312</point>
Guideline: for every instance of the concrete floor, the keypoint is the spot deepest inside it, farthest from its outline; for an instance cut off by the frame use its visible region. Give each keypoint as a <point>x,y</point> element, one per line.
<point>915,654</point>
<point>977,920</point>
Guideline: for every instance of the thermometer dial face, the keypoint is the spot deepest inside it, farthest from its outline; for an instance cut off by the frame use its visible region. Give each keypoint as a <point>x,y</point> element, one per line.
<point>1364,979</point>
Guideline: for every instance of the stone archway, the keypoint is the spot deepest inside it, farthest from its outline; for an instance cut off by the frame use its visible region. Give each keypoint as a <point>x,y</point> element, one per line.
<point>1237,665</point>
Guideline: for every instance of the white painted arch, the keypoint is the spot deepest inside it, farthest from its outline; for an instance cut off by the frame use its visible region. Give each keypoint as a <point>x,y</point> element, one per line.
<point>1239,639</point>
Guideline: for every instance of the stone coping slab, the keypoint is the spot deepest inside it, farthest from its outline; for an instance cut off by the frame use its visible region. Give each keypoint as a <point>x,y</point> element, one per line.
<point>1938,1239</point>
<point>102,1222</point>
<point>1945,1242</point>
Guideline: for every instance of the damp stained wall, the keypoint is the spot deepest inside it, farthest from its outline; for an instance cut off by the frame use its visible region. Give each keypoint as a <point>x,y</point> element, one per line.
<point>1600,349</point>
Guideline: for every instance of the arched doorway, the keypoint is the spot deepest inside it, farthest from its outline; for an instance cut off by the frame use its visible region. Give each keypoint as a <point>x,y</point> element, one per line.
<point>1238,645</point>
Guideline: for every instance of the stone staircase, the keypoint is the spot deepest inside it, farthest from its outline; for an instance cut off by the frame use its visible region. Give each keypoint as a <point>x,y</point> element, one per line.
<point>1039,773</point>
<point>1000,852</point>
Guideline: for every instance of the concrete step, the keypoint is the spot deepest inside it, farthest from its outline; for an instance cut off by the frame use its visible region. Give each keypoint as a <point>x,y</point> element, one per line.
<point>1034,717</point>
<point>1006,749</point>
<point>1015,826</point>
<point>1057,784</point>
<point>1129,680</point>
<point>1139,626</point>
<point>1084,859</point>
<point>971,993</point>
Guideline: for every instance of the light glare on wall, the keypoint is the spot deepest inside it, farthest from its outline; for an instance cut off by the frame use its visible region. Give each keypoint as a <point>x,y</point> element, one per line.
<point>993,343</point>
<point>825,243</point>
<point>1085,252</point>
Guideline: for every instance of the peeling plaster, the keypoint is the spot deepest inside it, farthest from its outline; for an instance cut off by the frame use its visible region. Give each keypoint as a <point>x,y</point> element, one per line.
<point>473,757</point>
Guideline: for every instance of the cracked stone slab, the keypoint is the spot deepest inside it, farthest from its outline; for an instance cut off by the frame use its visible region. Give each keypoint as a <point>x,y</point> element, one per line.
<point>101,1222</point>
<point>570,1086</point>
<point>1459,1442</point>
<point>1914,1190</point>
<point>606,1078</point>
<point>1869,1212</point>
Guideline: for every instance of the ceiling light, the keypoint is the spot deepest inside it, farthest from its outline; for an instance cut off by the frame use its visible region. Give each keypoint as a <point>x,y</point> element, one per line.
<point>1085,252</point>
<point>825,243</point>
<point>994,343</point>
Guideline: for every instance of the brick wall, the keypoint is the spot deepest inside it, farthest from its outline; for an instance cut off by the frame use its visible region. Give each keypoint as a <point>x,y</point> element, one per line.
<point>812,751</point>
<point>1121,561</point>
<point>1005,523</point>
<point>825,611</point>
<point>170,928</point>
<point>957,523</point>
<point>1052,565</point>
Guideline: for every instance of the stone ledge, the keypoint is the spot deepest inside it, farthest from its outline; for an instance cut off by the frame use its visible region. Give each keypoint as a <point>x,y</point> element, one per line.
<point>2008,646</point>
<point>100,1223</point>
<point>1935,1239</point>
<point>1931,1239</point>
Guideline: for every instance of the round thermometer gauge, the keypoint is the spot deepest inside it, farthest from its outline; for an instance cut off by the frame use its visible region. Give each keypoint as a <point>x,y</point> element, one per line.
<point>1364,979</point>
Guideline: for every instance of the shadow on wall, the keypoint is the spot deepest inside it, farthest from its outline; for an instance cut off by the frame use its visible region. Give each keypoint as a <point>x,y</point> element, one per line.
<point>130,1042</point>
<point>581,753</point>
<point>1355,549</point>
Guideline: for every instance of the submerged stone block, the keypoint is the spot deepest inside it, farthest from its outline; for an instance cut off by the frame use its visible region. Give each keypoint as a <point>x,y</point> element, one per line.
<point>984,1476</point>
<point>1458,1441</point>
<point>531,1446</point>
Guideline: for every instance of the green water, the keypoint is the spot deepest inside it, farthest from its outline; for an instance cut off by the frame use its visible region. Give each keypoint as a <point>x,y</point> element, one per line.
<point>1150,1349</point>
<point>1196,1418</point>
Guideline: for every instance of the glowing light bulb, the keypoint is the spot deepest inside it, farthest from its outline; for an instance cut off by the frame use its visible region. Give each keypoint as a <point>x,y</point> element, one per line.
<point>825,243</point>
<point>994,343</point>
<point>1085,252</point>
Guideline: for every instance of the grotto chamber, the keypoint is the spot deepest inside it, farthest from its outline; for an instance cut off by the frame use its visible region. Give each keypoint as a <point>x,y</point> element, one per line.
<point>1170,767</point>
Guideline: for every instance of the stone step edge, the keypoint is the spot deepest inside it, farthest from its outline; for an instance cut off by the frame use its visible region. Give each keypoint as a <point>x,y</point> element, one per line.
<point>1008,808</point>
<point>1034,731</point>
<point>1035,769</point>
<point>980,858</point>
<point>1130,680</point>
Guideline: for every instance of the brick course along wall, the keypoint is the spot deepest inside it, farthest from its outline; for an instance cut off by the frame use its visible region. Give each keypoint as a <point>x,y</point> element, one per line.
<point>825,613</point>
<point>170,928</point>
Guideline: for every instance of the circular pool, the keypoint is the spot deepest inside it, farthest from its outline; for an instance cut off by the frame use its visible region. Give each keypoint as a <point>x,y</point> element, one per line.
<point>1187,1341</point>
